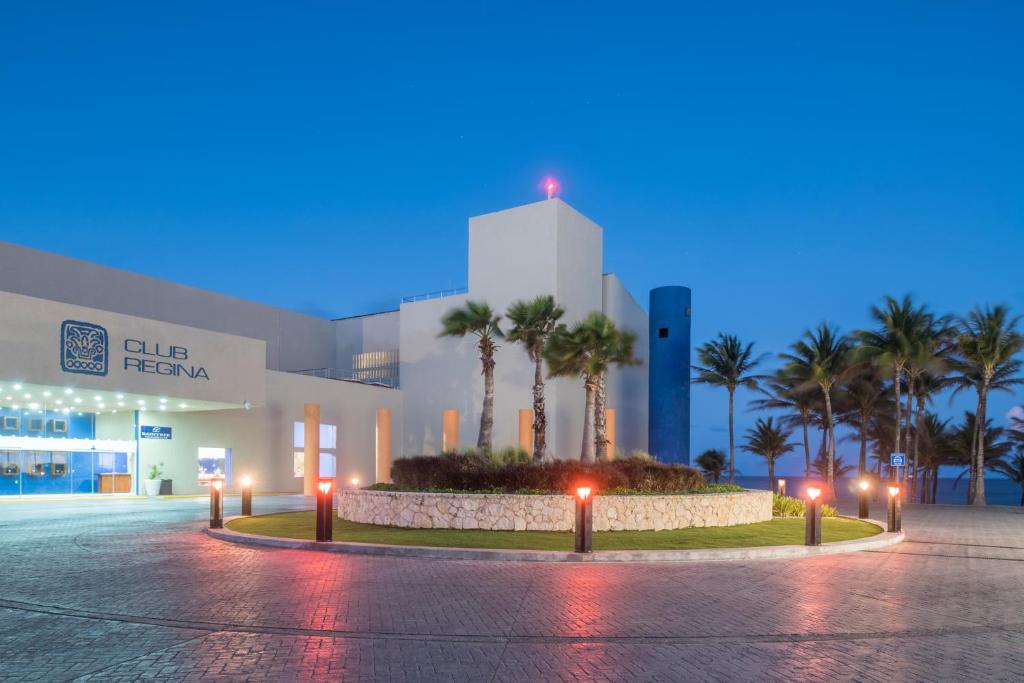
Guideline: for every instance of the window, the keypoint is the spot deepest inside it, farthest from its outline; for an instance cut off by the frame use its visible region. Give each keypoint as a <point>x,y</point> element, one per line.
<point>662,332</point>
<point>214,462</point>
<point>328,436</point>
<point>328,464</point>
<point>299,464</point>
<point>328,442</point>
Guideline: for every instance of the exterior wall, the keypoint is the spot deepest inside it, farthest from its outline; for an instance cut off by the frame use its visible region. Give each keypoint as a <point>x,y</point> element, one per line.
<point>293,341</point>
<point>507,512</point>
<point>362,333</point>
<point>627,387</point>
<point>262,439</point>
<point>669,395</point>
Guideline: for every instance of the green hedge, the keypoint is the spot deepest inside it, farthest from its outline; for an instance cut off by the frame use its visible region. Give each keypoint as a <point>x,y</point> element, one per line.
<point>471,472</point>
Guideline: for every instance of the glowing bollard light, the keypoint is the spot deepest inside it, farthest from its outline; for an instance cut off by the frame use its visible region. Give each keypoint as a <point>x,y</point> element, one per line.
<point>217,503</point>
<point>812,513</point>
<point>355,482</point>
<point>324,509</point>
<point>782,487</point>
<point>895,509</point>
<point>247,496</point>
<point>584,520</point>
<point>862,498</point>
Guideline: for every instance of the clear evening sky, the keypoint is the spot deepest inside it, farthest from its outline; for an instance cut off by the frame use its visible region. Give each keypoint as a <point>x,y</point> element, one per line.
<point>791,162</point>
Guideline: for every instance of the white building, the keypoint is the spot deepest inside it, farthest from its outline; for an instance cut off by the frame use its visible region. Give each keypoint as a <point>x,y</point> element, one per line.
<point>105,373</point>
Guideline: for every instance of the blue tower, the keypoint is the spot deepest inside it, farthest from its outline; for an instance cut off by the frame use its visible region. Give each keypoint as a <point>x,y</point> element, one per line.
<point>668,395</point>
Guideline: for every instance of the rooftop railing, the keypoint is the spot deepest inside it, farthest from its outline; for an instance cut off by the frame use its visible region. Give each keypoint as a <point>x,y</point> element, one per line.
<point>374,377</point>
<point>438,294</point>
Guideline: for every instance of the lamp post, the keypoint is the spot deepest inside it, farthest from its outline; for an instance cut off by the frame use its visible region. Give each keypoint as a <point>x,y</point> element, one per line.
<point>782,487</point>
<point>584,520</point>
<point>862,498</point>
<point>895,509</point>
<point>812,529</point>
<point>247,496</point>
<point>324,508</point>
<point>217,503</point>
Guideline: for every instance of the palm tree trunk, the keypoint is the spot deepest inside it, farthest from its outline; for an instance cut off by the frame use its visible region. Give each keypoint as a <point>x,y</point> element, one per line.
<point>732,440</point>
<point>771,474</point>
<point>540,420</point>
<point>831,457</point>
<point>910,419</point>
<point>917,445</point>
<point>899,418</point>
<point>979,462</point>
<point>483,442</point>
<point>935,484</point>
<point>587,451</point>
<point>863,464</point>
<point>600,422</point>
<point>807,448</point>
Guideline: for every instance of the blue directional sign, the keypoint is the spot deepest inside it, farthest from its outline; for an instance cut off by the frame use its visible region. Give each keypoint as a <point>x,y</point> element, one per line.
<point>898,459</point>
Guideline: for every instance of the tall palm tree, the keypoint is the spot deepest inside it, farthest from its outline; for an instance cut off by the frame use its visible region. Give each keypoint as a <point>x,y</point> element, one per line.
<point>825,353</point>
<point>620,354</point>
<point>727,362</point>
<point>935,439</point>
<point>964,447</point>
<point>839,468</point>
<point>586,350</point>
<point>711,462</point>
<point>927,384</point>
<point>785,390</point>
<point>477,319</point>
<point>770,440</point>
<point>532,323</point>
<point>892,343</point>
<point>930,344</point>
<point>985,359</point>
<point>862,395</point>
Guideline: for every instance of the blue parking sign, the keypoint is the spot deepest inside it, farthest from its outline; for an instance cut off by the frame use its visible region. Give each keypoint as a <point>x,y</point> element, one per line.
<point>898,459</point>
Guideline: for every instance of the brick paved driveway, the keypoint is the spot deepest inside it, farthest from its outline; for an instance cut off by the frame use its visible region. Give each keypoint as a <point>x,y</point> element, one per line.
<point>127,590</point>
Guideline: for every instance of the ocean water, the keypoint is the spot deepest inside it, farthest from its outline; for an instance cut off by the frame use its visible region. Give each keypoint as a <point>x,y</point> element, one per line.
<point>997,491</point>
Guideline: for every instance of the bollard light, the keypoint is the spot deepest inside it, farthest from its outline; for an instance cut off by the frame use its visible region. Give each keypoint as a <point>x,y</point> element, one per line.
<point>895,510</point>
<point>247,496</point>
<point>584,520</point>
<point>782,487</point>
<point>216,503</point>
<point>355,482</point>
<point>812,516</point>
<point>324,510</point>
<point>862,498</point>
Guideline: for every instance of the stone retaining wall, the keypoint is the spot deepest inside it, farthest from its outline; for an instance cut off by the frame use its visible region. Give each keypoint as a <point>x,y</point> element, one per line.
<point>509,512</point>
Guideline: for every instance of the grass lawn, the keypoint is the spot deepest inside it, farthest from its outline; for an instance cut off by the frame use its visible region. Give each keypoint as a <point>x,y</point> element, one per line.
<point>779,531</point>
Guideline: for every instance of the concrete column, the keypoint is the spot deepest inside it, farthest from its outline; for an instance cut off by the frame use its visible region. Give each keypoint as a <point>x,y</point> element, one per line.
<point>526,430</point>
<point>609,426</point>
<point>450,434</point>
<point>311,448</point>
<point>383,474</point>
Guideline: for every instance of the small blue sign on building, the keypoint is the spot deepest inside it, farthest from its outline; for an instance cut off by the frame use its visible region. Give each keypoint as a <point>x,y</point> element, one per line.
<point>898,459</point>
<point>154,432</point>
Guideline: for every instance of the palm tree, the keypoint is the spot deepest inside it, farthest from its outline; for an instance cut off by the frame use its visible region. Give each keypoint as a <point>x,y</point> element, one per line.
<point>839,468</point>
<point>935,440</point>
<point>964,447</point>
<point>1014,470</point>
<point>930,344</point>
<point>532,324</point>
<point>712,462</point>
<point>620,354</point>
<point>927,384</point>
<point>586,350</point>
<point>727,362</point>
<point>770,440</point>
<point>984,358</point>
<point>476,318</point>
<point>784,391</point>
<point>825,355</point>
<point>861,396</point>
<point>892,343</point>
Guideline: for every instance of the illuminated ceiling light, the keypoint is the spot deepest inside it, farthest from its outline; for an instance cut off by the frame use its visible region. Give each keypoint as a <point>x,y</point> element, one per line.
<point>120,396</point>
<point>141,402</point>
<point>15,406</point>
<point>59,402</point>
<point>33,406</point>
<point>10,398</point>
<point>163,407</point>
<point>28,395</point>
<point>66,411</point>
<point>47,393</point>
<point>163,400</point>
<point>68,392</point>
<point>101,406</point>
<point>78,399</point>
<point>79,414</point>
<point>17,387</point>
<point>183,405</point>
<point>120,403</point>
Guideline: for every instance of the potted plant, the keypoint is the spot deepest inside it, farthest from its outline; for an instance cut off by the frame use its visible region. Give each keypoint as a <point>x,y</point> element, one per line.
<point>153,482</point>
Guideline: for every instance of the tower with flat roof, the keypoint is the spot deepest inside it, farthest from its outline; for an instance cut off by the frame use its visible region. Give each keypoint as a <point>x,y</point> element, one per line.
<point>669,379</point>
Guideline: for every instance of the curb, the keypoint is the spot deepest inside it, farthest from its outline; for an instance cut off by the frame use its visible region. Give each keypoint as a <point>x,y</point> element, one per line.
<point>777,552</point>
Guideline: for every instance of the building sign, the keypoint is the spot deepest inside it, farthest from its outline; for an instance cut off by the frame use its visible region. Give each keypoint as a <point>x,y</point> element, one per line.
<point>160,359</point>
<point>83,348</point>
<point>154,432</point>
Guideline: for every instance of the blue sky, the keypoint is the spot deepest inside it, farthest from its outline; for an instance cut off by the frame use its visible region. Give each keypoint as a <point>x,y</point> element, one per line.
<point>790,163</point>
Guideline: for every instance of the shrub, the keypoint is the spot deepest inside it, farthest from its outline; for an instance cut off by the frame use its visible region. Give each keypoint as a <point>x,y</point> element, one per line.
<point>785,506</point>
<point>511,472</point>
